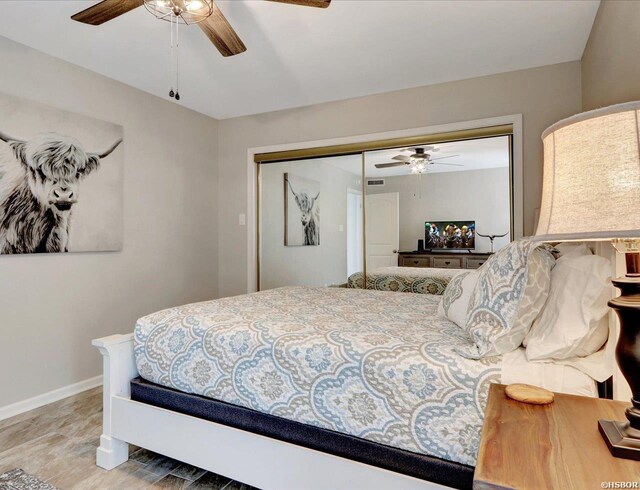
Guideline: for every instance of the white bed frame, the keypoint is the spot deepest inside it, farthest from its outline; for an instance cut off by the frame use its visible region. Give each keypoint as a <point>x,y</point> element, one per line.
<point>250,458</point>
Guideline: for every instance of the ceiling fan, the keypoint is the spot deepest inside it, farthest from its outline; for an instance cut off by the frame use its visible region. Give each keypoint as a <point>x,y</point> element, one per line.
<point>418,160</point>
<point>203,12</point>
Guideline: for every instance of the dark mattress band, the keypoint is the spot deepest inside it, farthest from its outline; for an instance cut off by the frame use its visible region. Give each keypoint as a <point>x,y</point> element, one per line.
<point>429,468</point>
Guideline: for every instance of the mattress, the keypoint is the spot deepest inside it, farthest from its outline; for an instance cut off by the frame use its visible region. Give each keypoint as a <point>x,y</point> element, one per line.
<point>371,364</point>
<point>404,279</point>
<point>514,369</point>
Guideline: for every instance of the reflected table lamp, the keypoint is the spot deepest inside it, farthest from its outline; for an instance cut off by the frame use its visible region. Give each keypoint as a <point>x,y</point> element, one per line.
<point>591,191</point>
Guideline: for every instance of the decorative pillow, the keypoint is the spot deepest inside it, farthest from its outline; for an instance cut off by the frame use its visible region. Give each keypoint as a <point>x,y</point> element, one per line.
<point>574,321</point>
<point>512,288</point>
<point>455,299</point>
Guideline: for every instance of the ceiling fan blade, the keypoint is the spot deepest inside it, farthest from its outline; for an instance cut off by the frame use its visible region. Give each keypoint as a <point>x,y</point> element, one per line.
<point>389,165</point>
<point>403,158</point>
<point>323,4</point>
<point>448,164</point>
<point>105,11</point>
<point>440,158</point>
<point>221,34</point>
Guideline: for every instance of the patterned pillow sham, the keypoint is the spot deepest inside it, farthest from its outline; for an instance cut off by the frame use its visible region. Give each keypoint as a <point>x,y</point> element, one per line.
<point>455,300</point>
<point>512,288</point>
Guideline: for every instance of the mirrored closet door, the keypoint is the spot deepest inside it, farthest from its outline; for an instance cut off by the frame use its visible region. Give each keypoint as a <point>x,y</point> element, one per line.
<point>437,201</point>
<point>310,221</point>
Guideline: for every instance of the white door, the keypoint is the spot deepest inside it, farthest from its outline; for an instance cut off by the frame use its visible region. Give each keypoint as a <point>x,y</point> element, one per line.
<point>383,231</point>
<point>354,232</point>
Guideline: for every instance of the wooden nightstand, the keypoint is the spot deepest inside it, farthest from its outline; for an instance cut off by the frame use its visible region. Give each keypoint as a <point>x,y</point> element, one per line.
<point>549,446</point>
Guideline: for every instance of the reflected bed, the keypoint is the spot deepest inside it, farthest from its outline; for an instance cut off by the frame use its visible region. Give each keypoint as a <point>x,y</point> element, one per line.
<point>423,280</point>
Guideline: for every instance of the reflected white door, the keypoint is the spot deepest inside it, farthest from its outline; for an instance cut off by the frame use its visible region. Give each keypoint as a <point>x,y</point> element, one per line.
<point>383,231</point>
<point>354,231</point>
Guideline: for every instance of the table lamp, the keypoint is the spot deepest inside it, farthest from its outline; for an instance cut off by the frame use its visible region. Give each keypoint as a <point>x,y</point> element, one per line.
<point>591,191</point>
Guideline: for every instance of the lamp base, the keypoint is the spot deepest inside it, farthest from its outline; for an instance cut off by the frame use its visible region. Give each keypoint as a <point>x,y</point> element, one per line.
<point>623,438</point>
<point>620,439</point>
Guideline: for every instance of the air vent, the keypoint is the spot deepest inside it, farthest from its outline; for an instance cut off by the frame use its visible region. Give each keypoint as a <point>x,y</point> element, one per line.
<point>375,182</point>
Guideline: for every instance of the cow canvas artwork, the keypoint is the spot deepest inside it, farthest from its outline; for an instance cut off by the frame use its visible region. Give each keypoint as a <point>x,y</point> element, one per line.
<point>61,180</point>
<point>302,211</point>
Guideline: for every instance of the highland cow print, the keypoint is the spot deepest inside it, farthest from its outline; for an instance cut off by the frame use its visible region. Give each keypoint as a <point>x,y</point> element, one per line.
<point>60,180</point>
<point>302,211</point>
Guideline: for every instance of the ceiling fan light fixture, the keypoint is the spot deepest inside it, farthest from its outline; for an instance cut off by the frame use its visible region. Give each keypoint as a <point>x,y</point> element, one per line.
<point>182,11</point>
<point>195,5</point>
<point>418,167</point>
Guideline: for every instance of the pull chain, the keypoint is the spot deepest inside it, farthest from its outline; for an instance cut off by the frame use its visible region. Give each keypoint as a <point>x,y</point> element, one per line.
<point>175,55</point>
<point>171,92</point>
<point>177,59</point>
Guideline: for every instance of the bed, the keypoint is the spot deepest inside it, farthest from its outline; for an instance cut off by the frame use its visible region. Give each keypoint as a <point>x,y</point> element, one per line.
<point>425,280</point>
<point>375,373</point>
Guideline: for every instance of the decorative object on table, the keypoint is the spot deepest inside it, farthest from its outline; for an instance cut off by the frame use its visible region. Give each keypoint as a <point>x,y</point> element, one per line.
<point>591,191</point>
<point>302,211</point>
<point>205,13</point>
<point>492,238</point>
<point>19,480</point>
<point>533,395</point>
<point>48,157</point>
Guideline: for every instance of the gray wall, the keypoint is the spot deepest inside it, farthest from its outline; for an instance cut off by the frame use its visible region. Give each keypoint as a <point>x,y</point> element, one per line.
<point>480,195</point>
<point>53,305</point>
<point>178,195</point>
<point>610,64</point>
<point>543,95</point>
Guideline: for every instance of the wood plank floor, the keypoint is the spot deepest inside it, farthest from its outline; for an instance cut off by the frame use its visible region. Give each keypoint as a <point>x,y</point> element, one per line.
<point>57,443</point>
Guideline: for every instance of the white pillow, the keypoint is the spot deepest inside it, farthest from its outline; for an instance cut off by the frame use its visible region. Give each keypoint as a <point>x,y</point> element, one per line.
<point>574,320</point>
<point>572,248</point>
<point>455,299</point>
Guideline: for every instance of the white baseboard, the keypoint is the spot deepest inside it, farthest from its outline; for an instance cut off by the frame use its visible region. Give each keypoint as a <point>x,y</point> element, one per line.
<point>49,397</point>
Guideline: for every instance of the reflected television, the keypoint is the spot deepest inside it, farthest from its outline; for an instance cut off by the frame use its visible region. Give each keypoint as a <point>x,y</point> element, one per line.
<point>449,235</point>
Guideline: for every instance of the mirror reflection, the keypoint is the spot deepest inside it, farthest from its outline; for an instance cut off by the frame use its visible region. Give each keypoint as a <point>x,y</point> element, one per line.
<point>428,211</point>
<point>443,206</point>
<point>310,221</point>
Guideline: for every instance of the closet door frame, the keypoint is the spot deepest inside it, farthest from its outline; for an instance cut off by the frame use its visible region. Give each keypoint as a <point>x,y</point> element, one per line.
<point>369,141</point>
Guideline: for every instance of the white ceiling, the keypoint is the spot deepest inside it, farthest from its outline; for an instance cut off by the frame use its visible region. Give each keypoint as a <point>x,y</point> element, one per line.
<point>475,154</point>
<point>299,56</point>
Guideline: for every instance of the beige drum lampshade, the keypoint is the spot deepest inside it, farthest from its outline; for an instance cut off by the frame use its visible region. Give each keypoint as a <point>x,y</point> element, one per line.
<point>591,183</point>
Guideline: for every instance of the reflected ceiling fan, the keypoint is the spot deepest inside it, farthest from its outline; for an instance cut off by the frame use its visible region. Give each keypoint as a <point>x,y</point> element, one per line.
<point>418,160</point>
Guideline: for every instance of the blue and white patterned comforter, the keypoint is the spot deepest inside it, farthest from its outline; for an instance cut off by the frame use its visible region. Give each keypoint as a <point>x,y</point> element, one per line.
<point>374,364</point>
